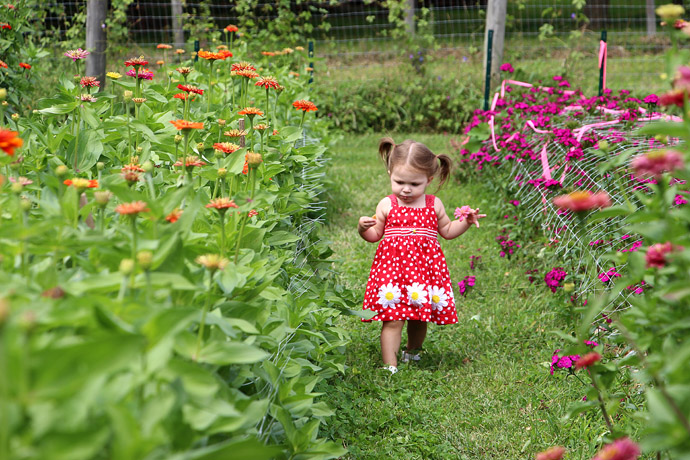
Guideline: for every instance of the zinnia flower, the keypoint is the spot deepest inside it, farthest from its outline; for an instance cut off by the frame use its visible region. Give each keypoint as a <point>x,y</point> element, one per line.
<point>114,75</point>
<point>144,74</point>
<point>190,162</point>
<point>81,184</point>
<point>212,262</point>
<point>226,147</point>
<point>674,97</point>
<point>182,96</point>
<point>250,74</point>
<point>655,162</point>
<point>267,82</point>
<point>552,453</point>
<point>305,106</point>
<point>582,201</point>
<point>241,66</point>
<point>174,215</point>
<point>261,127</point>
<point>24,65</point>
<point>236,133</point>
<point>210,56</point>
<point>656,254</point>
<point>77,54</point>
<point>163,46</point>
<point>507,68</point>
<point>670,12</point>
<point>190,89</point>
<point>221,204</point>
<point>87,98</point>
<point>184,70</point>
<point>134,62</point>
<point>9,141</point>
<point>231,28</point>
<point>3,64</point>
<point>184,125</point>
<point>250,111</point>
<point>89,82</point>
<point>180,51</point>
<point>621,449</point>
<point>131,209</point>
<point>587,360</point>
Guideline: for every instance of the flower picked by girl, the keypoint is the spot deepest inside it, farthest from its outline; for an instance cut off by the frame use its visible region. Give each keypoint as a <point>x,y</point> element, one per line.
<point>409,279</point>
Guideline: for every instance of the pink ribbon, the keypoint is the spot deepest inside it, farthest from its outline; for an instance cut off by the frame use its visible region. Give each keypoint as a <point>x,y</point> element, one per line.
<point>545,163</point>
<point>602,60</point>
<point>513,82</point>
<point>530,123</point>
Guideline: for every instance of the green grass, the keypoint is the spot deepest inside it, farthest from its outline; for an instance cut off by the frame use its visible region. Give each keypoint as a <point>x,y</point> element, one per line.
<point>483,389</point>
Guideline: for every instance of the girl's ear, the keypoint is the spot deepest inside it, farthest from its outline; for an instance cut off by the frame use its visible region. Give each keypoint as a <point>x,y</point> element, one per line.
<point>430,179</point>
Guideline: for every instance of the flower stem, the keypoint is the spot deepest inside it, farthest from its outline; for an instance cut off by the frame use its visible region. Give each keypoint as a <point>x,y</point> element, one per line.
<point>604,412</point>
<point>222,234</point>
<point>202,324</point>
<point>239,237</point>
<point>210,74</point>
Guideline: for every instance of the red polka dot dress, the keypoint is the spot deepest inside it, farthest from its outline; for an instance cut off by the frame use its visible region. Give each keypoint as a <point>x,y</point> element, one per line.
<point>409,277</point>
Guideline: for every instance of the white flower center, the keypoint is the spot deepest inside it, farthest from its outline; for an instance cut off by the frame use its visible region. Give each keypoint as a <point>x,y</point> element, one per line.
<point>435,299</point>
<point>389,296</point>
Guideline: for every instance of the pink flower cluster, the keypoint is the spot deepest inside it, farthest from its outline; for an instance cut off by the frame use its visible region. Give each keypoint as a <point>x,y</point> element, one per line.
<point>554,278</point>
<point>474,260</point>
<point>529,274</point>
<point>656,254</point>
<point>465,284</point>
<point>563,362</point>
<point>609,275</point>
<point>508,246</point>
<point>144,74</point>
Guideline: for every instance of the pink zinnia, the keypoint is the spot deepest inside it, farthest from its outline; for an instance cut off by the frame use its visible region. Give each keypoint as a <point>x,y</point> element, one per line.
<point>552,453</point>
<point>621,449</point>
<point>582,201</point>
<point>587,360</point>
<point>656,254</point>
<point>656,162</point>
<point>144,74</point>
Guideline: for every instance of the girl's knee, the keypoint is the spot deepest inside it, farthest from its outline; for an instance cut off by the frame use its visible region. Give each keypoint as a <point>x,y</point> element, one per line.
<point>393,324</point>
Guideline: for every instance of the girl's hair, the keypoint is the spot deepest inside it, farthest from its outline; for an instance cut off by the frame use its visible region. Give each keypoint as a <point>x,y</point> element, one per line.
<point>417,156</point>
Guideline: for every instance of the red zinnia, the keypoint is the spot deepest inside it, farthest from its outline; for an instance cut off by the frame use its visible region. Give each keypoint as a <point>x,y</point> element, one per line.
<point>251,74</point>
<point>3,64</point>
<point>656,254</point>
<point>305,106</point>
<point>140,61</point>
<point>24,65</point>
<point>89,82</point>
<point>587,360</point>
<point>552,453</point>
<point>9,141</point>
<point>231,28</point>
<point>174,215</point>
<point>190,89</point>
<point>267,82</point>
<point>182,96</point>
<point>242,66</point>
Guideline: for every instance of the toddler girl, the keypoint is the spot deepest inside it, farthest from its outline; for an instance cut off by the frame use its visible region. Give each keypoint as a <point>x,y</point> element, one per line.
<point>409,278</point>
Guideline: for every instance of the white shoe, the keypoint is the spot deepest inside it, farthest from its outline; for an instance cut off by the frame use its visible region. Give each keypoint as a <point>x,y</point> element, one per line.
<point>407,357</point>
<point>392,369</point>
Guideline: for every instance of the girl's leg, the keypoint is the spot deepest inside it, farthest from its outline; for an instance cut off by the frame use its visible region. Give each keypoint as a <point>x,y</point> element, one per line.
<point>391,335</point>
<point>416,333</point>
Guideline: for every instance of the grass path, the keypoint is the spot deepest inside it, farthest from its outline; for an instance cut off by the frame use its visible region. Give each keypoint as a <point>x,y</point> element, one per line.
<point>483,389</point>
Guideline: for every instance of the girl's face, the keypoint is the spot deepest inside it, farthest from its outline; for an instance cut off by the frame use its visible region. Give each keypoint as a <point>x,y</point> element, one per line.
<point>408,184</point>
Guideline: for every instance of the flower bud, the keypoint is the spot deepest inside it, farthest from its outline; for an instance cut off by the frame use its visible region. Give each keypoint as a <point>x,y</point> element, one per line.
<point>218,153</point>
<point>254,159</point>
<point>128,95</point>
<point>5,103</point>
<point>604,146</point>
<point>147,166</point>
<point>61,170</point>
<point>221,122</point>
<point>663,138</point>
<point>140,149</point>
<point>25,204</point>
<point>178,138</point>
<point>15,116</point>
<point>145,259</point>
<point>200,146</point>
<point>102,197</point>
<point>126,267</point>
<point>16,187</point>
<point>568,287</point>
<point>222,172</point>
<point>3,94</point>
<point>100,166</point>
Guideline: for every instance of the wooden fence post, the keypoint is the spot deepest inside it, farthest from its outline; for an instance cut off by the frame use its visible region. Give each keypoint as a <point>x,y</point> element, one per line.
<point>96,11</point>
<point>409,17</point>
<point>178,33</point>
<point>651,18</point>
<point>496,21</point>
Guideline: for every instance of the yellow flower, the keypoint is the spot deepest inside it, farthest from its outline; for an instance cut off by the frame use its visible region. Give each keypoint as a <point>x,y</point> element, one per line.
<point>113,75</point>
<point>212,262</point>
<point>670,12</point>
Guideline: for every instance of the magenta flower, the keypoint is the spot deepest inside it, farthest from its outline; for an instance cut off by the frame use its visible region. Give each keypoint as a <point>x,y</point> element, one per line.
<point>144,74</point>
<point>656,254</point>
<point>554,278</point>
<point>507,68</point>
<point>621,449</point>
<point>651,99</point>
<point>609,275</point>
<point>465,284</point>
<point>656,162</point>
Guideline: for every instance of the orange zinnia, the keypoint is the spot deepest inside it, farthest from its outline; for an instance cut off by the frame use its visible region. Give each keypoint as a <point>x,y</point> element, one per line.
<point>80,183</point>
<point>187,125</point>
<point>251,111</point>
<point>163,46</point>
<point>9,141</point>
<point>3,65</point>
<point>226,147</point>
<point>190,162</point>
<point>221,204</point>
<point>219,56</point>
<point>174,215</point>
<point>246,73</point>
<point>24,65</point>
<point>131,209</point>
<point>182,96</point>
<point>305,106</point>
<point>190,89</point>
<point>231,28</point>
<point>136,62</point>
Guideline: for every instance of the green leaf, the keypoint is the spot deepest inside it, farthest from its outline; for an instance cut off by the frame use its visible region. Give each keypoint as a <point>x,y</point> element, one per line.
<point>224,353</point>
<point>85,444</point>
<point>242,449</point>
<point>281,237</point>
<point>673,129</point>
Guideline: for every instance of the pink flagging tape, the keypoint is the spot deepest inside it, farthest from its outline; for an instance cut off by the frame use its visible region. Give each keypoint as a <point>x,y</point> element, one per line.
<point>493,133</point>
<point>530,123</point>
<point>493,103</point>
<point>513,82</point>
<point>545,162</point>
<point>581,131</point>
<point>602,60</point>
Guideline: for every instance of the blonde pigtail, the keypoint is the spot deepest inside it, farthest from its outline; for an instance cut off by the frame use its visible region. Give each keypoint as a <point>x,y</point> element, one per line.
<point>386,146</point>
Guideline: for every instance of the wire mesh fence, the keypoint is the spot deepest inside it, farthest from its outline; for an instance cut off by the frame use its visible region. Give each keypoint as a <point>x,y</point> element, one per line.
<point>351,34</point>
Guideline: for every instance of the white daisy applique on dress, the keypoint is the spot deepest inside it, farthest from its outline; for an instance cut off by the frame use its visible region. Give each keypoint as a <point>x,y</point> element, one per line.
<point>389,295</point>
<point>409,269</point>
<point>439,299</point>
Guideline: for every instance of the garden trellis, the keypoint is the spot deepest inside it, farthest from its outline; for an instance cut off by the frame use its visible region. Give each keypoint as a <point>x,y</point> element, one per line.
<point>554,139</point>
<point>350,33</point>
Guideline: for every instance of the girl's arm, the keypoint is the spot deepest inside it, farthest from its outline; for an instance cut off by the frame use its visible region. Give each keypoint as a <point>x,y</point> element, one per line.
<point>452,229</point>
<point>371,228</point>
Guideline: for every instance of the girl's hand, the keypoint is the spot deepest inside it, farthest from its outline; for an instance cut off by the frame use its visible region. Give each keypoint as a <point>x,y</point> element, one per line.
<point>365,223</point>
<point>473,217</point>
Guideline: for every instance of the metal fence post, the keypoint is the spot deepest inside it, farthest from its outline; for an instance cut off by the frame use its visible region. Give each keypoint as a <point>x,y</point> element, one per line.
<point>311,61</point>
<point>487,78</point>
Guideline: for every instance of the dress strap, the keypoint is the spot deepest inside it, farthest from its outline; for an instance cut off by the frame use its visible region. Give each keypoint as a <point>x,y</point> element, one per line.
<point>394,201</point>
<point>430,199</point>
